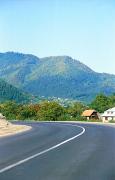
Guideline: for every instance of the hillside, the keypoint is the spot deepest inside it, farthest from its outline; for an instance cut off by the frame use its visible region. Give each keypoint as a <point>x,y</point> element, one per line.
<point>59,76</point>
<point>8,92</point>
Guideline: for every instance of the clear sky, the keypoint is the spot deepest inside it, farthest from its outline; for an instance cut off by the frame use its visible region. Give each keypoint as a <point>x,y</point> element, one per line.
<point>82,29</point>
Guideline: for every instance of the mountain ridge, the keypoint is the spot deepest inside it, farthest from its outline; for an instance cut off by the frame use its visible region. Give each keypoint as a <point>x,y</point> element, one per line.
<point>59,76</point>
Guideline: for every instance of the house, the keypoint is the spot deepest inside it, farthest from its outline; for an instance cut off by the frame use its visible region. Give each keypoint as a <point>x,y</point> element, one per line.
<point>90,114</point>
<point>109,115</point>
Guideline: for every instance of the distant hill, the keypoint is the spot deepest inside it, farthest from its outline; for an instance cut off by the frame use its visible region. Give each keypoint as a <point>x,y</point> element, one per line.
<point>8,92</point>
<point>59,76</point>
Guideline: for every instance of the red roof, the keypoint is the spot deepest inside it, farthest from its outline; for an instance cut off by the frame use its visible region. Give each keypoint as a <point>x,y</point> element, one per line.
<point>88,113</point>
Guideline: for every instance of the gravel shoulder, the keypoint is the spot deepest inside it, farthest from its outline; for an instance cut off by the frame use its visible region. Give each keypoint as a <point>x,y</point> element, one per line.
<point>12,129</point>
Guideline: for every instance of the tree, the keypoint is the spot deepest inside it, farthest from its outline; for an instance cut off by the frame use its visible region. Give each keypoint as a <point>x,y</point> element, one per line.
<point>9,110</point>
<point>50,111</point>
<point>100,103</point>
<point>77,109</point>
<point>28,111</point>
<point>112,100</point>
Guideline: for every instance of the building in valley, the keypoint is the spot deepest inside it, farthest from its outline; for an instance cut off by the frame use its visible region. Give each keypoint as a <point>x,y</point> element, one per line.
<point>109,115</point>
<point>90,114</point>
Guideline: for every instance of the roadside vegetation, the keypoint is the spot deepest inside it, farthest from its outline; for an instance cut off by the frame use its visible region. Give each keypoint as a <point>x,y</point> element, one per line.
<point>54,111</point>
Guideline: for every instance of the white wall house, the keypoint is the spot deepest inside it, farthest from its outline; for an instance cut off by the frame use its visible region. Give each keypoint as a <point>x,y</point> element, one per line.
<point>109,115</point>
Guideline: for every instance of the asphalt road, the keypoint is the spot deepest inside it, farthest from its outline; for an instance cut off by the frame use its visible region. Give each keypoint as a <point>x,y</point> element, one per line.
<point>55,151</point>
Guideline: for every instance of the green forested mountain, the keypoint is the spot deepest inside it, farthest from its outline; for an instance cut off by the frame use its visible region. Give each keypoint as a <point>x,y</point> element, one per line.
<point>59,76</point>
<point>8,92</point>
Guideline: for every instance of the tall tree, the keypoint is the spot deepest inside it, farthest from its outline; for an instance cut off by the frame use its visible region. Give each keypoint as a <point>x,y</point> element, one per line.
<point>100,103</point>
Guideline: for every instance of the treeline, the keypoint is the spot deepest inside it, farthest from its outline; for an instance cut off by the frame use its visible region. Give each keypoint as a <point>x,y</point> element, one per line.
<point>102,102</point>
<point>44,111</point>
<point>53,111</point>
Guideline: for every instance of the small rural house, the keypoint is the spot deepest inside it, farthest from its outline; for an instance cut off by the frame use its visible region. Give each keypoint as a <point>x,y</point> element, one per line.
<point>90,114</point>
<point>109,115</point>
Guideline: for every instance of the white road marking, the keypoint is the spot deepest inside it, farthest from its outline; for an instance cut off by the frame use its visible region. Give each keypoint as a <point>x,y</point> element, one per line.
<point>43,152</point>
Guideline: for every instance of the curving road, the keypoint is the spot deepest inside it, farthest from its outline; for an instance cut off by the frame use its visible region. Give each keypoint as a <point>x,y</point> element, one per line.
<point>59,151</point>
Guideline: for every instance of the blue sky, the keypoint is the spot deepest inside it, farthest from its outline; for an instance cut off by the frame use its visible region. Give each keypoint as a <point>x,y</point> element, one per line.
<point>82,29</point>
